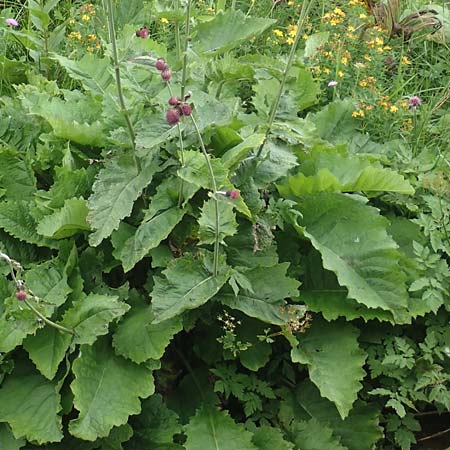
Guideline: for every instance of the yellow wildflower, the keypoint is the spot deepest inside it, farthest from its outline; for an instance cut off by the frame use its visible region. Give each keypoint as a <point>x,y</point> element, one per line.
<point>90,49</point>
<point>363,83</point>
<point>368,107</point>
<point>404,104</point>
<point>393,109</point>
<point>292,30</point>
<point>362,16</point>
<point>74,35</point>
<point>367,58</point>
<point>291,3</point>
<point>359,113</point>
<point>339,12</point>
<point>351,36</point>
<point>71,21</point>
<point>85,18</point>
<point>344,60</point>
<point>350,28</point>
<point>340,74</point>
<point>91,37</point>
<point>163,20</point>
<point>278,32</point>
<point>405,60</point>
<point>289,41</point>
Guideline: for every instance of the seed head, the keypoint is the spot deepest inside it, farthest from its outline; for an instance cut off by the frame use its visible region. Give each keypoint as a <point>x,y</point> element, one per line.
<point>161,64</point>
<point>21,295</point>
<point>174,101</point>
<point>173,116</point>
<point>186,110</point>
<point>166,74</point>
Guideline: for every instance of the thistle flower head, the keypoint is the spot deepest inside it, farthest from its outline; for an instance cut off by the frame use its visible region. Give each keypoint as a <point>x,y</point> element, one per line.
<point>186,110</point>
<point>414,101</point>
<point>166,74</point>
<point>142,33</point>
<point>161,64</point>
<point>173,116</point>
<point>332,83</point>
<point>12,22</point>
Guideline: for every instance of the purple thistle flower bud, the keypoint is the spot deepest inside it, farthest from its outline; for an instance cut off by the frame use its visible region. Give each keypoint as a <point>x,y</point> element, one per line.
<point>173,116</point>
<point>161,64</point>
<point>21,295</point>
<point>142,33</point>
<point>233,195</point>
<point>186,110</point>
<point>166,74</point>
<point>12,22</point>
<point>174,101</point>
<point>415,101</point>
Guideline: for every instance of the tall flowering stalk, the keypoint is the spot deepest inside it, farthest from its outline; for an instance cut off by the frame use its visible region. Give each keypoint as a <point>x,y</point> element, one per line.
<point>306,6</point>
<point>107,4</point>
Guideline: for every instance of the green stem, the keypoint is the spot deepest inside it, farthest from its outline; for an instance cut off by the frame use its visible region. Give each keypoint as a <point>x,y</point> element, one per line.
<point>186,45</point>
<point>48,321</point>
<point>180,134</point>
<point>177,32</point>
<point>115,56</point>
<point>306,6</point>
<point>216,203</point>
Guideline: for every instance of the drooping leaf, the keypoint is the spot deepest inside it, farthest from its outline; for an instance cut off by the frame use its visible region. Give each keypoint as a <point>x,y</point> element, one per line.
<point>67,221</point>
<point>352,240</point>
<point>266,301</point>
<point>207,221</point>
<point>235,155</point>
<point>89,316</point>
<point>227,30</point>
<point>47,349</point>
<point>270,438</point>
<point>313,435</point>
<point>188,284</point>
<point>106,390</point>
<point>323,348</point>
<point>7,439</point>
<point>211,429</point>
<point>138,339</point>
<point>116,188</point>
<point>359,431</point>
<point>147,237</point>
<point>30,405</point>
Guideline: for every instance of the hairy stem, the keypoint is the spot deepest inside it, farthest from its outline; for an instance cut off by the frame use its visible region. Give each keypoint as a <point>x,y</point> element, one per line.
<point>306,6</point>
<point>186,46</point>
<point>115,56</point>
<point>216,203</point>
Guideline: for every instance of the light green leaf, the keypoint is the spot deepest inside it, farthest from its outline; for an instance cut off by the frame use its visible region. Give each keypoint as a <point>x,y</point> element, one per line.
<point>233,157</point>
<point>138,339</point>
<point>227,30</point>
<point>188,284</point>
<point>90,316</point>
<point>323,348</point>
<point>7,439</point>
<point>207,221</point>
<point>212,429</point>
<point>67,221</point>
<point>16,220</point>
<point>116,188</point>
<point>92,71</point>
<point>312,435</point>
<point>269,438</point>
<point>266,302</point>
<point>30,405</point>
<point>359,431</point>
<point>314,41</point>
<point>147,237</point>
<point>106,390</point>
<point>353,242</point>
<point>47,349</point>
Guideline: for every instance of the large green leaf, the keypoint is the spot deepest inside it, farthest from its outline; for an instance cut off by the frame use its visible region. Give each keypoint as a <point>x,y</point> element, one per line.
<point>47,349</point>
<point>138,339</point>
<point>269,438</point>
<point>359,431</point>
<point>211,429</point>
<point>188,284</point>
<point>323,349</point>
<point>7,439</point>
<point>15,219</point>
<point>146,237</point>
<point>30,405</point>
<point>266,301</point>
<point>90,316</point>
<point>16,177</point>
<point>67,221</point>
<point>226,31</point>
<point>106,390</point>
<point>313,435</point>
<point>207,221</point>
<point>116,188</point>
<point>325,170</point>
<point>353,242</point>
